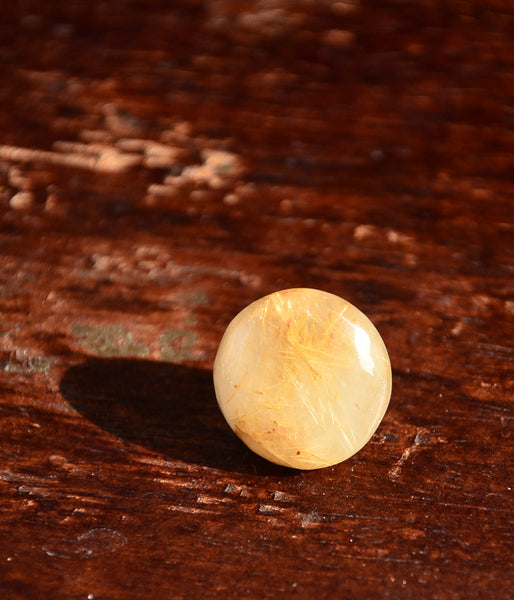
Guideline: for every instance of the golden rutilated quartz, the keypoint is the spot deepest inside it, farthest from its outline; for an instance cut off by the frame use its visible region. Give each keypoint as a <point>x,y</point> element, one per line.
<point>303,378</point>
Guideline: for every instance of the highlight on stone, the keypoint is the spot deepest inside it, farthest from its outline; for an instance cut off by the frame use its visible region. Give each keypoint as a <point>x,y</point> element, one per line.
<point>303,378</point>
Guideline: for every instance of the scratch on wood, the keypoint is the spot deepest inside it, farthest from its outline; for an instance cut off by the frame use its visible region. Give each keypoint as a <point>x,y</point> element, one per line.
<point>94,542</point>
<point>310,519</point>
<point>189,510</point>
<point>420,439</point>
<point>204,499</point>
<point>82,156</point>
<point>279,496</point>
<point>239,490</point>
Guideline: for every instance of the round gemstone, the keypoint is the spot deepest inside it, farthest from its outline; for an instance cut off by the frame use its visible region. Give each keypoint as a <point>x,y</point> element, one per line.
<point>303,378</point>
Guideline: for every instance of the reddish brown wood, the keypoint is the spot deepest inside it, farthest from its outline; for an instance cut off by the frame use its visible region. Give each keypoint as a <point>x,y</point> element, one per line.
<point>162,165</point>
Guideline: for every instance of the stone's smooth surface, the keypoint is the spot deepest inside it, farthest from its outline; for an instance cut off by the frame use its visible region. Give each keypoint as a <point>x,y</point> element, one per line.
<point>303,378</point>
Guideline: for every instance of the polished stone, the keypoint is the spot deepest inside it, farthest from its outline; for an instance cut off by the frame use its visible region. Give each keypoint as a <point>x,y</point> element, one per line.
<point>303,378</point>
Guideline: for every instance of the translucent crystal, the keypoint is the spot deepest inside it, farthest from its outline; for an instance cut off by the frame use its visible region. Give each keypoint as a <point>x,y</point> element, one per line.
<point>303,378</point>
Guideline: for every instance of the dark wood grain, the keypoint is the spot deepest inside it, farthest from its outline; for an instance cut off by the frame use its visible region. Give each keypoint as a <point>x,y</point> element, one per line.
<point>162,164</point>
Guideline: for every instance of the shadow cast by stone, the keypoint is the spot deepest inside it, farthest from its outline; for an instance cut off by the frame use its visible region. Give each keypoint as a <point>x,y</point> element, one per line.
<point>167,408</point>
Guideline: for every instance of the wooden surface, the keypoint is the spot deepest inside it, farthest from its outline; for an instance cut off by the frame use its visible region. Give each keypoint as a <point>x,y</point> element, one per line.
<point>162,164</point>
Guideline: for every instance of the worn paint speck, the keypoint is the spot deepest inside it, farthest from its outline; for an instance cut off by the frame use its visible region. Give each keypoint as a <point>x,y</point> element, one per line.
<point>198,297</point>
<point>177,344</point>
<point>33,364</point>
<point>110,340</point>
<point>40,364</point>
<point>11,366</point>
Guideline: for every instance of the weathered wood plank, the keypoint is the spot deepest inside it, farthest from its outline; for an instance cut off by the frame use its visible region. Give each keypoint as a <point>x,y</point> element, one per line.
<point>162,165</point>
